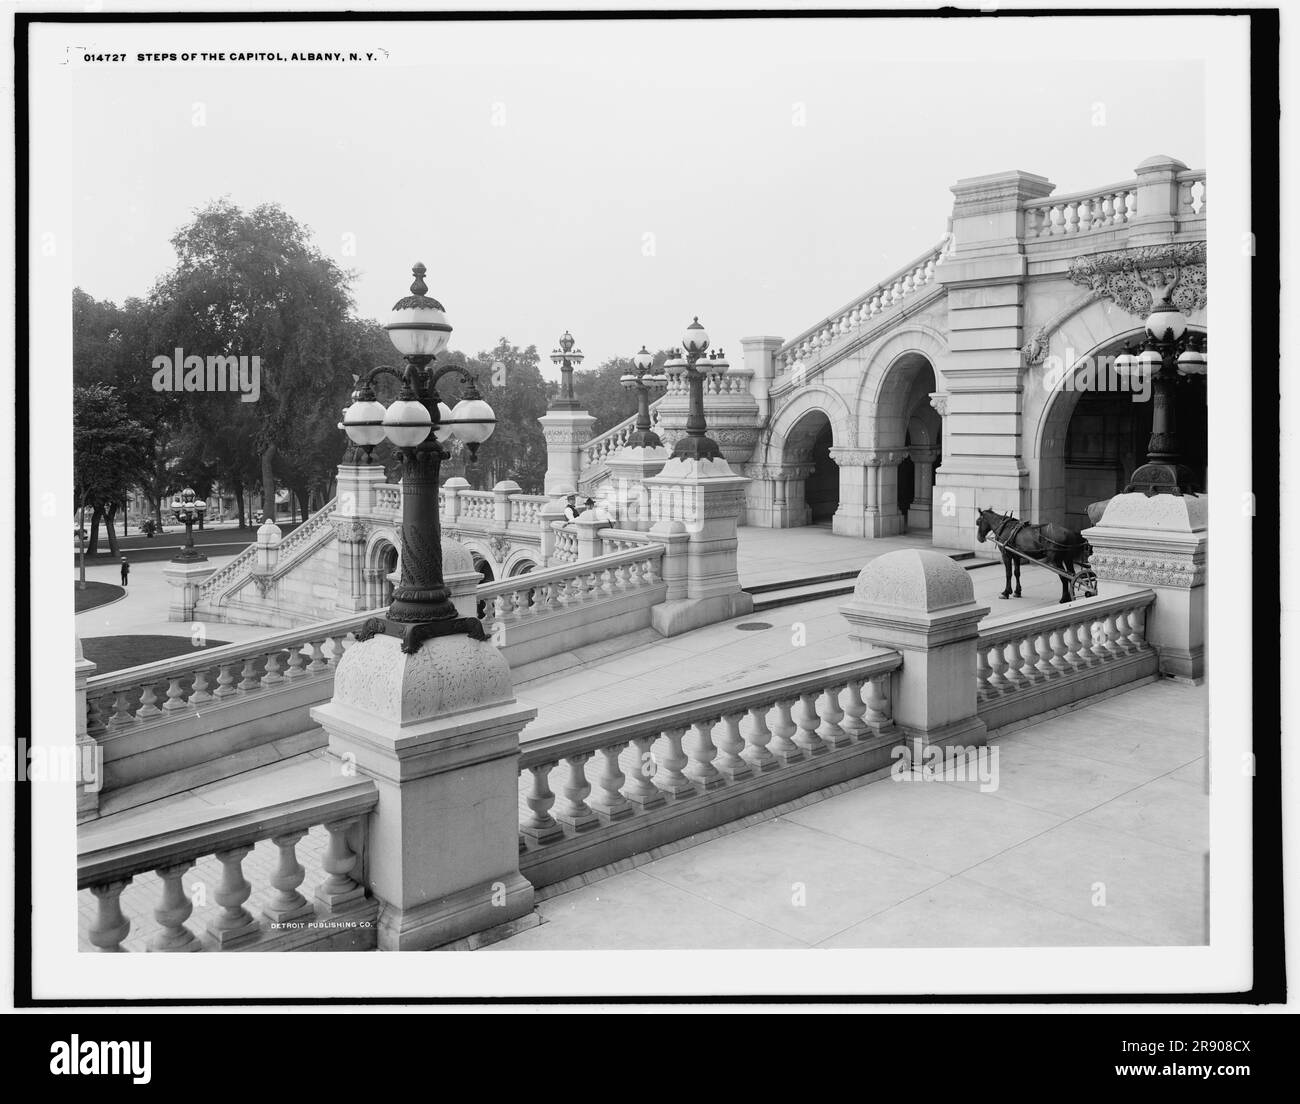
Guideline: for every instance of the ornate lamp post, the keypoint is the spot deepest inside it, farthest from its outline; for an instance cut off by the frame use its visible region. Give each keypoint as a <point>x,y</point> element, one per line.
<point>644,380</point>
<point>695,445</point>
<point>417,423</point>
<point>188,508</point>
<point>568,357</point>
<point>1170,352</point>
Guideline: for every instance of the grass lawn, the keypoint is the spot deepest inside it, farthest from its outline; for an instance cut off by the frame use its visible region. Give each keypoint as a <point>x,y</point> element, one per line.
<point>95,594</point>
<point>112,653</point>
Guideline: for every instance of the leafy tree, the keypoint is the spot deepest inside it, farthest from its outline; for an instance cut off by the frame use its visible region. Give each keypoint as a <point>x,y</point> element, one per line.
<point>108,456</point>
<point>603,396</point>
<point>254,284</point>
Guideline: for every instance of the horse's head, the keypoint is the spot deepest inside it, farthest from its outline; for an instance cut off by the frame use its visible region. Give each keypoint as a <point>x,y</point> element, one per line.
<point>983,527</point>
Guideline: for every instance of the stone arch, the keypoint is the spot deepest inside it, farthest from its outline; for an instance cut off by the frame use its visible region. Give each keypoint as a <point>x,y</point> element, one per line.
<point>519,563</point>
<point>382,557</point>
<point>914,337</point>
<point>1052,397</point>
<point>815,397</point>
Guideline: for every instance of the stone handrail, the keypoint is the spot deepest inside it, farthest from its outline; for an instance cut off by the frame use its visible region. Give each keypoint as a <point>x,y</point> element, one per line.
<point>904,283</point>
<point>631,784</point>
<point>602,446</point>
<point>172,688</point>
<point>1060,653</point>
<point>107,868</point>
<point>571,585</point>
<point>622,540</point>
<point>242,565</point>
<point>388,499</point>
<point>1081,212</point>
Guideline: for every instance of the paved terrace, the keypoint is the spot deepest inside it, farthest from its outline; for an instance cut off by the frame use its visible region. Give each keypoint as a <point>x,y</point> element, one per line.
<point>1143,786</point>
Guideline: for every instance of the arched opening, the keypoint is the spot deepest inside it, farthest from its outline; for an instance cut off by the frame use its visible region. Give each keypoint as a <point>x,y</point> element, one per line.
<point>523,567</point>
<point>484,568</point>
<point>814,493</point>
<point>1096,431</point>
<point>905,432</point>
<point>388,565</point>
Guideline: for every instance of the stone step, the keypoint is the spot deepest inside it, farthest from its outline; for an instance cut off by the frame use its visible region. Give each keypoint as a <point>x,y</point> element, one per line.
<point>793,591</point>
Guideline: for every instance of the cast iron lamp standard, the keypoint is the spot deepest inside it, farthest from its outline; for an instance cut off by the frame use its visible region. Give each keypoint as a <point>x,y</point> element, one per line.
<point>567,357</point>
<point>1171,351</point>
<point>187,508</point>
<point>417,423</point>
<point>643,380</point>
<point>695,445</point>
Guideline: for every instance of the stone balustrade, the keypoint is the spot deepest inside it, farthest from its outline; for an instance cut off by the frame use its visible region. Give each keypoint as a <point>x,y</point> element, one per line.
<point>622,540</point>
<point>339,916</point>
<point>565,549</point>
<point>388,501</point>
<point>476,506</point>
<point>1033,664</point>
<point>862,312</point>
<point>607,791</point>
<point>1082,212</point>
<point>298,541</point>
<point>172,688</point>
<point>538,593</point>
<point>526,510</point>
<point>602,447</point>
<point>1191,194</point>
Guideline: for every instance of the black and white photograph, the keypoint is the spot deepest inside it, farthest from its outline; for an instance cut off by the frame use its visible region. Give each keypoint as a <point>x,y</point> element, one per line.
<point>651,505</point>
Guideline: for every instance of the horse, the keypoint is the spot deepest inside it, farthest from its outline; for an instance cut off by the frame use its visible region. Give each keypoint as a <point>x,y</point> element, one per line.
<point>1051,544</point>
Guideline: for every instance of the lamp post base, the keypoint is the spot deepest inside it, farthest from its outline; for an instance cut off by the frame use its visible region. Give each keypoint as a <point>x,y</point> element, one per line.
<point>1163,478</point>
<point>414,633</point>
<point>697,448</point>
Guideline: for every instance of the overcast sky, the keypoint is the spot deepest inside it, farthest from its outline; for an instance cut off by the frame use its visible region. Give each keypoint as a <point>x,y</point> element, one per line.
<point>611,178</point>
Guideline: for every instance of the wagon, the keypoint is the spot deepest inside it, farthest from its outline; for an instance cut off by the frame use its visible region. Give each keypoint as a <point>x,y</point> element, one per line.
<point>1083,583</point>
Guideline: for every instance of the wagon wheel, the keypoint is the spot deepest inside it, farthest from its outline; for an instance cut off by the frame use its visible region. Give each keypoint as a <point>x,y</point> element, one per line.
<point>1084,584</point>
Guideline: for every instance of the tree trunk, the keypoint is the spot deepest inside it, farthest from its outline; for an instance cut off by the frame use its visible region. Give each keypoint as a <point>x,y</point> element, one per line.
<point>239,502</point>
<point>93,548</point>
<point>268,482</point>
<point>112,530</point>
<point>156,503</point>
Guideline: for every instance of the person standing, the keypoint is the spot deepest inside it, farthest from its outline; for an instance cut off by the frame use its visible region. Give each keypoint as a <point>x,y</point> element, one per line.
<point>126,571</point>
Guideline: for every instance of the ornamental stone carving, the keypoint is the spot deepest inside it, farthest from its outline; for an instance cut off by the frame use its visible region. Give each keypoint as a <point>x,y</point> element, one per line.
<point>1149,569</point>
<point>500,547</point>
<point>939,401</point>
<point>352,532</point>
<point>1136,279</point>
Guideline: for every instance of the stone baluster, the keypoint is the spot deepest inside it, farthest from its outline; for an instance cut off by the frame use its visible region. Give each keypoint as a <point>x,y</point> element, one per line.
<point>249,680</point>
<point>110,927</point>
<point>1085,215</point>
<point>233,922</point>
<point>287,905</point>
<point>95,725</point>
<point>855,710</point>
<point>701,754</point>
<point>339,890</point>
<point>1130,206</point>
<point>982,688</point>
<point>639,788</point>
<point>225,682</point>
<point>538,824</point>
<point>272,674</point>
<point>782,746</point>
<point>1107,211</point>
<point>830,730</point>
<point>756,752</point>
<point>297,663</point>
<point>1070,218</point>
<point>174,908</point>
<point>669,776</point>
<point>609,800</point>
<point>148,703</point>
<point>997,663</point>
<point>1070,644</point>
<point>318,661</point>
<point>877,711</point>
<point>1110,637</point>
<point>731,763</point>
<point>1041,645</point>
<point>175,695</point>
<point>1028,660</point>
<point>1137,628</point>
<point>808,721</point>
<point>1121,638</point>
<point>337,646</point>
<point>571,809</point>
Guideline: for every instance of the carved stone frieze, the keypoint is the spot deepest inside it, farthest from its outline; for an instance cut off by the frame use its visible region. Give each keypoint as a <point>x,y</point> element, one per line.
<point>1137,279</point>
<point>1148,568</point>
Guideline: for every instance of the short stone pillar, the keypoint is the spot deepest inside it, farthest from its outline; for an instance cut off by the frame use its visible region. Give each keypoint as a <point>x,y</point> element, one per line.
<point>672,569</point>
<point>706,496</point>
<point>184,579</point>
<point>921,604</point>
<point>501,500</point>
<point>589,525</point>
<point>438,731</point>
<point>760,360</point>
<point>460,575</point>
<point>629,468</point>
<point>567,433</point>
<point>268,548</point>
<point>355,492</point>
<point>451,498</point>
<point>1160,542</point>
<point>90,761</point>
<point>550,513</point>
